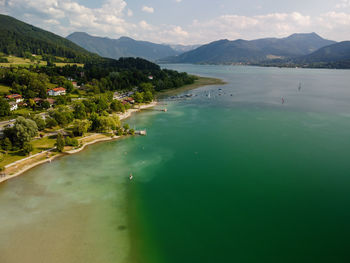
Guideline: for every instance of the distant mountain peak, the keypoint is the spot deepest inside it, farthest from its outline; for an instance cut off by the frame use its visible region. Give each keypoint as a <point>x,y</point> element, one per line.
<point>124,38</point>
<point>305,35</point>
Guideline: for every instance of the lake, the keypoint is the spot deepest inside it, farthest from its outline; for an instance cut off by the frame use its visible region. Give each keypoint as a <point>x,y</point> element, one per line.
<point>239,175</point>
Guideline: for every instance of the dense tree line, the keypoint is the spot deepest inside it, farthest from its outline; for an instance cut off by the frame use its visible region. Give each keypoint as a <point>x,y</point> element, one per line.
<point>124,75</point>
<point>17,38</point>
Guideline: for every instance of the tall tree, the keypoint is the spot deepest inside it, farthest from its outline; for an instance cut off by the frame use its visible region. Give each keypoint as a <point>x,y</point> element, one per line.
<point>4,108</point>
<point>60,142</point>
<point>22,131</point>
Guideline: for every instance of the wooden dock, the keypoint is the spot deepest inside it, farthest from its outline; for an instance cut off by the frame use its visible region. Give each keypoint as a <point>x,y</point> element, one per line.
<point>141,132</point>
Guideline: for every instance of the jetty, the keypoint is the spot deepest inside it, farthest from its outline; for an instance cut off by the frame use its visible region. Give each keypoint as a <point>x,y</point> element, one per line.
<point>141,132</point>
<point>163,109</point>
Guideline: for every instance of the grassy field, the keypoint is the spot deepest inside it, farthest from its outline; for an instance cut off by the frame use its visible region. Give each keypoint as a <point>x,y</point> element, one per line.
<point>4,89</point>
<point>62,64</point>
<point>43,144</point>
<point>38,145</point>
<point>25,62</point>
<point>25,112</point>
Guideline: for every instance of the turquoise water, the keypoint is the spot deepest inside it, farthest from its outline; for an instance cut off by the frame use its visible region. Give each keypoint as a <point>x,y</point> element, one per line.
<point>244,178</point>
<point>241,178</point>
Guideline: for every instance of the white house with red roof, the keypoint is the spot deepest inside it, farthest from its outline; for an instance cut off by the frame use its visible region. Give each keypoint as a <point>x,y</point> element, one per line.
<point>56,91</point>
<point>16,97</point>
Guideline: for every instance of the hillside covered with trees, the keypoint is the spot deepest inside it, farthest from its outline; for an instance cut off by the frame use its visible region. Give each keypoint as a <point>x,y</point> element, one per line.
<point>17,38</point>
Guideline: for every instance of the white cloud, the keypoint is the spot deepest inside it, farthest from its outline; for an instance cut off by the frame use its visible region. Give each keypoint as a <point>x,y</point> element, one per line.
<point>270,25</point>
<point>343,4</point>
<point>113,18</point>
<point>148,9</point>
<point>144,25</point>
<point>130,13</point>
<point>178,1</point>
<point>107,19</point>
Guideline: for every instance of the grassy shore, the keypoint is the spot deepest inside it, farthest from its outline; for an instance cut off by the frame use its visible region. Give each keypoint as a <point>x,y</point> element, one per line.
<point>199,82</point>
<point>44,152</point>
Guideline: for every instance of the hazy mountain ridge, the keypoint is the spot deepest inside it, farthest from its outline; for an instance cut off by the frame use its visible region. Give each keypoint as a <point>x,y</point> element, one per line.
<point>252,51</point>
<point>125,47</point>
<point>336,52</point>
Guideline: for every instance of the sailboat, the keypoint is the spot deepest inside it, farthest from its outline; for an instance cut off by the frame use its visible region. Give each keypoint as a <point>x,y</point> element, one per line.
<point>209,95</point>
<point>299,88</point>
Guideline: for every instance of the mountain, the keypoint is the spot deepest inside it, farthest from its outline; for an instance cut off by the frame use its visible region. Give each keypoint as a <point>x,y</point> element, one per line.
<point>332,53</point>
<point>183,48</point>
<point>122,47</point>
<point>253,51</point>
<point>17,37</point>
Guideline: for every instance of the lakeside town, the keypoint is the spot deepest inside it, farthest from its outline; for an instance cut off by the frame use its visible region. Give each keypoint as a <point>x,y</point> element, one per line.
<point>51,138</point>
<point>49,109</point>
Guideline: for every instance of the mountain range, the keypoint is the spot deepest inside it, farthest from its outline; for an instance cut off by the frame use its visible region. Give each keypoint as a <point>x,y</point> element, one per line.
<point>253,51</point>
<point>306,50</point>
<point>126,47</point>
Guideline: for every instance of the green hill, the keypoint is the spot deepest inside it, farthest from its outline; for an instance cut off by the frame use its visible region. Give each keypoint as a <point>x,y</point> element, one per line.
<point>17,37</point>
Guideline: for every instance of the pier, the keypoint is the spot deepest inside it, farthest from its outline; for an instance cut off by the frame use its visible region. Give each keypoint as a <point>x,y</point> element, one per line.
<point>141,132</point>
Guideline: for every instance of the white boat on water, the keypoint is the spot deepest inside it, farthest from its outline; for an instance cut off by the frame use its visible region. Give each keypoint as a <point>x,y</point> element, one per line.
<point>130,176</point>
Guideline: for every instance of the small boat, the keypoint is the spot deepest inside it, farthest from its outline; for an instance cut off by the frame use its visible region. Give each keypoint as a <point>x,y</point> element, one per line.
<point>130,176</point>
<point>209,95</point>
<point>299,88</point>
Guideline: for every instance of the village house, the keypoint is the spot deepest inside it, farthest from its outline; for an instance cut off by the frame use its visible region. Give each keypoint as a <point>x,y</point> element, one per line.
<point>130,100</point>
<point>16,97</point>
<point>130,93</point>
<point>118,96</point>
<point>38,101</point>
<point>56,91</point>
<point>13,105</point>
<point>75,84</point>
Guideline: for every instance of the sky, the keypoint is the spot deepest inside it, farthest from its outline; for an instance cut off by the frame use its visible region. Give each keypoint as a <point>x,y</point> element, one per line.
<point>185,21</point>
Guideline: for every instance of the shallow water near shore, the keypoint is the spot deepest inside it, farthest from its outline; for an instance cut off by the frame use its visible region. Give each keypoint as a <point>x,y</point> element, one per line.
<point>236,177</point>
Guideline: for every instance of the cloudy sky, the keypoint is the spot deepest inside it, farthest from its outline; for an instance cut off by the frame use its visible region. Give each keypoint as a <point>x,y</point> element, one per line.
<point>186,21</point>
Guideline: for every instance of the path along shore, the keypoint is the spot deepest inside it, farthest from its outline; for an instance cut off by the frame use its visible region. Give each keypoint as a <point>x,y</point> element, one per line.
<point>19,167</point>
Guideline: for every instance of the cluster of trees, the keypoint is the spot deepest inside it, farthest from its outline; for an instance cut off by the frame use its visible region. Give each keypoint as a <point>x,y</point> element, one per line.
<point>19,135</point>
<point>94,114</point>
<point>30,83</point>
<point>4,107</point>
<point>67,141</point>
<point>122,74</point>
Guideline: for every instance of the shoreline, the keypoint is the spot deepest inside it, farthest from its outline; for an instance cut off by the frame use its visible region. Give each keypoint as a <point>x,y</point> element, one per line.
<point>31,164</point>
<point>200,82</point>
<point>43,157</point>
